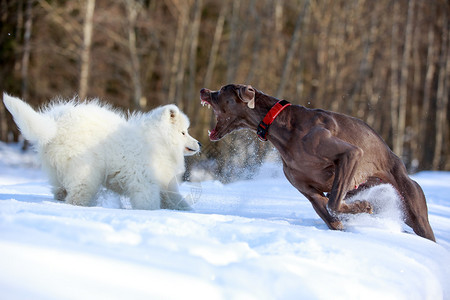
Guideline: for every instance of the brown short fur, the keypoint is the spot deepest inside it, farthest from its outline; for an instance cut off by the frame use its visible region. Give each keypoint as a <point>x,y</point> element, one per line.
<point>323,153</point>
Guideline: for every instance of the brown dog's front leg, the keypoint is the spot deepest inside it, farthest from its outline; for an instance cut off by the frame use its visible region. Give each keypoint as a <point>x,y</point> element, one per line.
<point>319,203</point>
<point>345,158</point>
<point>346,164</point>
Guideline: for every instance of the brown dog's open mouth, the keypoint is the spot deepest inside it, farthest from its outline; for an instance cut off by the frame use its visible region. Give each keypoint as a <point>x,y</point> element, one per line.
<point>211,133</point>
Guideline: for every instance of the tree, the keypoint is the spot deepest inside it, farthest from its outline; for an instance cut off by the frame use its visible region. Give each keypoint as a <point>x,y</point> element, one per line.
<point>86,48</point>
<point>384,61</point>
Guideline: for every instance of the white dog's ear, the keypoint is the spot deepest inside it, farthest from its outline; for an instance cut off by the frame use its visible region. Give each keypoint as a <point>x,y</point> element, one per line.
<point>247,94</point>
<point>171,112</point>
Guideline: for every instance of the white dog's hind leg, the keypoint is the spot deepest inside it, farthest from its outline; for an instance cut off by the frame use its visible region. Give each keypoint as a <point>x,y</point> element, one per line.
<point>82,183</point>
<point>82,195</point>
<point>145,196</point>
<point>59,192</point>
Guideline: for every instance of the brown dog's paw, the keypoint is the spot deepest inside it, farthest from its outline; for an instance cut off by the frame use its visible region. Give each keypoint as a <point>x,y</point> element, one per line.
<point>363,207</point>
<point>336,225</point>
<point>356,207</point>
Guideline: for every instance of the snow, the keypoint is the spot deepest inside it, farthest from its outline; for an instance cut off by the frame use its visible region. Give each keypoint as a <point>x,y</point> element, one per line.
<point>254,239</point>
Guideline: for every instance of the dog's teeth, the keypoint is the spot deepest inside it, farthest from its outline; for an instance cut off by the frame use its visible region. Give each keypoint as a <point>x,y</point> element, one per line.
<point>209,132</point>
<point>209,106</point>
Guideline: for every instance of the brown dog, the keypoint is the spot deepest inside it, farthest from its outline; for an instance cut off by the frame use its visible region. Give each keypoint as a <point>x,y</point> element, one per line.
<point>326,156</point>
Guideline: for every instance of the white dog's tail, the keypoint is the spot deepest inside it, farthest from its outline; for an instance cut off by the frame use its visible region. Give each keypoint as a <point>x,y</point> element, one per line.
<point>34,126</point>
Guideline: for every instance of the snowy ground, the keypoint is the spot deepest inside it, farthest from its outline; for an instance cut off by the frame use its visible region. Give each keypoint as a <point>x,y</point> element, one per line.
<point>257,239</point>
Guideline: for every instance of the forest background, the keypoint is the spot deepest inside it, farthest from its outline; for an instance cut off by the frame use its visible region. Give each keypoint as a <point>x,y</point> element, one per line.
<point>386,62</point>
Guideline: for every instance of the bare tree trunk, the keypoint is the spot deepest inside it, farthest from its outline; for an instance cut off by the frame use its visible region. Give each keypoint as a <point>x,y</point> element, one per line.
<point>365,67</point>
<point>369,59</point>
<point>325,14</point>
<point>132,11</point>
<point>232,59</point>
<point>72,29</point>
<point>427,92</point>
<point>442,95</point>
<point>256,44</point>
<point>299,85</point>
<point>446,104</point>
<point>26,56</point>
<point>415,101</point>
<point>193,57</point>
<point>86,49</point>
<point>278,29</point>
<point>177,68</point>
<point>399,145</point>
<point>352,43</point>
<point>3,124</point>
<point>287,66</point>
<point>26,49</point>
<point>215,45</point>
<point>394,79</point>
<point>205,116</point>
<point>19,29</point>
<point>340,46</point>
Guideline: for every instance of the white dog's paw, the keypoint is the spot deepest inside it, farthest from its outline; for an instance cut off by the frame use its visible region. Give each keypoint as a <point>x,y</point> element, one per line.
<point>172,200</point>
<point>59,193</point>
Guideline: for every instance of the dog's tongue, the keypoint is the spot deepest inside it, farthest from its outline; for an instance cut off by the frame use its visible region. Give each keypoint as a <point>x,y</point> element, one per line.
<point>212,135</point>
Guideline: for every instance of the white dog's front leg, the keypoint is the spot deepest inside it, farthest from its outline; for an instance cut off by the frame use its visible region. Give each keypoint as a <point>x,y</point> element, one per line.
<point>145,197</point>
<point>173,200</point>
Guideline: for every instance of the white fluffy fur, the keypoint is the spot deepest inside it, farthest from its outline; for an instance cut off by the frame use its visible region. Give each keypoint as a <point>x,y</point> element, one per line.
<point>84,145</point>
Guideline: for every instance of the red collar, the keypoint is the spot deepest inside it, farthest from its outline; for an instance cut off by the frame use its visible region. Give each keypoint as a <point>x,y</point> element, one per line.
<point>263,127</point>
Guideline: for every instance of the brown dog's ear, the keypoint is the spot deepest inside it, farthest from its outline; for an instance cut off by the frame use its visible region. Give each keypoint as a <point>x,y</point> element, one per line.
<point>247,94</point>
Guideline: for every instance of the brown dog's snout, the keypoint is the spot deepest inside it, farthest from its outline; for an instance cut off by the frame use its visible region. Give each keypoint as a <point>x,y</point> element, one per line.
<point>205,94</point>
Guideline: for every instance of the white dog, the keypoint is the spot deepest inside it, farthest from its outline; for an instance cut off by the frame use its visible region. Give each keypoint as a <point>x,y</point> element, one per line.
<point>84,145</point>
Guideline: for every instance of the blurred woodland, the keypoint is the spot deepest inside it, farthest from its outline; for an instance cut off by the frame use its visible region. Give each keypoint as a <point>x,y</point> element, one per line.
<point>386,62</point>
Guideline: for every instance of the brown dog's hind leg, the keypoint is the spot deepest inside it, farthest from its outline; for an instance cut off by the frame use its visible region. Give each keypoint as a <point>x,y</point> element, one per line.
<point>416,211</point>
<point>413,200</point>
<point>360,206</point>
